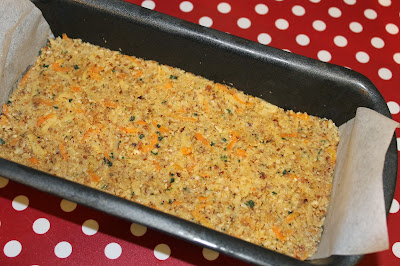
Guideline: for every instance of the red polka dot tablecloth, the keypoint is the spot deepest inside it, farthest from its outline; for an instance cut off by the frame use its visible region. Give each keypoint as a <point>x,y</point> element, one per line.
<point>39,229</point>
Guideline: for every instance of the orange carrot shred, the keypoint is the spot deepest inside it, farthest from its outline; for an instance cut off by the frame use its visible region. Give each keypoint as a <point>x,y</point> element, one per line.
<point>168,85</point>
<point>153,142</point>
<point>64,36</point>
<point>3,120</point>
<point>5,109</point>
<point>164,129</point>
<point>202,199</point>
<point>200,137</point>
<point>34,161</point>
<point>285,135</point>
<point>63,152</point>
<point>110,104</point>
<point>157,165</point>
<point>43,119</point>
<point>141,122</point>
<point>128,129</point>
<point>186,150</point>
<point>76,89</point>
<point>234,139</point>
<point>26,76</point>
<point>241,153</point>
<point>93,176</point>
<point>278,233</point>
<point>58,68</point>
<point>190,119</point>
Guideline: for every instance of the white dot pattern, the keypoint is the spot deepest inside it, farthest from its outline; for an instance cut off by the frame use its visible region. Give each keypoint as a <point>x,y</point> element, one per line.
<point>377,42</point>
<point>396,249</point>
<point>324,55</point>
<point>282,24</point>
<point>3,182</point>
<point>385,73</point>
<point>90,227</point>
<point>264,38</point>
<point>244,23</point>
<point>41,226</point>
<point>319,25</point>
<point>362,57</point>
<point>20,203</point>
<point>298,10</point>
<point>162,251</point>
<point>63,250</point>
<point>370,14</point>
<point>394,208</point>
<point>261,9</point>
<point>113,251</point>
<point>335,12</point>
<point>340,41</point>
<point>186,6</point>
<point>138,230</point>
<point>392,28</point>
<point>385,3</point>
<point>302,39</point>
<point>394,107</point>
<point>67,206</point>
<point>209,254</point>
<point>355,27</point>
<point>396,58</point>
<point>224,8</point>
<point>205,21</point>
<point>148,4</point>
<point>12,248</point>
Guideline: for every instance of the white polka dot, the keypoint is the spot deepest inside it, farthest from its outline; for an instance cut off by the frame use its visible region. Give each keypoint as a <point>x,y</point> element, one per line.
<point>186,6</point>
<point>244,23</point>
<point>205,21</point>
<point>261,9</point>
<point>287,50</point>
<point>209,254</point>
<point>394,107</point>
<point>362,57</point>
<point>282,24</point>
<point>395,204</point>
<point>385,2</point>
<point>319,25</point>
<point>302,39</point>
<point>67,206</point>
<point>12,248</point>
<point>324,55</point>
<point>298,10</point>
<point>63,249</point>
<point>90,227</point>
<point>264,38</point>
<point>350,2</point>
<point>340,41</point>
<point>377,42</point>
<point>334,12</point>
<point>3,182</point>
<point>370,14</point>
<point>224,8</point>
<point>20,203</point>
<point>148,4</point>
<point>392,28</point>
<point>315,1</point>
<point>355,27</point>
<point>398,148</point>
<point>138,230</point>
<point>396,58</point>
<point>113,251</point>
<point>162,252</point>
<point>41,226</point>
<point>385,73</point>
<point>396,249</point>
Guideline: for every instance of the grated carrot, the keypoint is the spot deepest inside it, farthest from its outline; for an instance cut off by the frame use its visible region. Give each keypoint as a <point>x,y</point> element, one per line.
<point>110,104</point>
<point>5,109</point>
<point>94,73</point>
<point>26,76</point>
<point>202,199</point>
<point>43,119</point>
<point>302,116</point>
<point>164,129</point>
<point>47,102</point>
<point>34,161</point>
<point>177,167</point>
<point>168,85</point>
<point>234,139</point>
<point>291,217</point>
<point>190,119</point>
<point>64,36</point>
<point>186,150</point>
<point>80,111</point>
<point>128,129</point>
<point>206,106</point>
<point>139,73</point>
<point>90,132</point>
<point>157,165</point>
<point>76,89</point>
<point>278,233</point>
<point>3,120</point>
<point>286,135</point>
<point>241,153</point>
<point>142,123</point>
<point>63,152</point>
<point>93,176</point>
<point>152,143</point>
<point>58,68</point>
<point>200,137</point>
<point>222,87</point>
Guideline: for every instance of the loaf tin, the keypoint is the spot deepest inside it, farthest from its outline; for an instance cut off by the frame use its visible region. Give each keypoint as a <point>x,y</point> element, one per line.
<point>288,80</point>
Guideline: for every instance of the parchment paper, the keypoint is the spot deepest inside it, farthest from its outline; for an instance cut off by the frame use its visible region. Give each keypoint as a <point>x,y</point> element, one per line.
<point>356,219</point>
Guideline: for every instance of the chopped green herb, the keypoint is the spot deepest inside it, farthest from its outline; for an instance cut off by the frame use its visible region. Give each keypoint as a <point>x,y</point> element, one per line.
<point>250,203</point>
<point>8,102</point>
<point>70,100</point>
<point>55,107</point>
<point>224,149</point>
<point>158,125</point>
<point>76,67</point>
<point>290,212</point>
<point>212,143</point>
<point>172,180</point>
<point>164,101</point>
<point>155,153</point>
<point>104,187</point>
<point>285,172</point>
<point>108,162</point>
<point>132,118</point>
<point>133,194</point>
<point>195,114</point>
<point>224,158</point>
<point>112,155</point>
<point>2,142</point>
<point>274,193</point>
<point>141,136</point>
<point>173,77</point>
<point>45,66</point>
<point>283,138</point>
<point>160,138</point>
<point>170,201</point>
<point>229,111</point>
<point>185,188</point>
<point>224,139</point>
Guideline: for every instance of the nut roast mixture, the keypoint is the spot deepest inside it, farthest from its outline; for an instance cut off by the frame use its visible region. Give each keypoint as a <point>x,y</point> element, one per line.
<point>175,142</point>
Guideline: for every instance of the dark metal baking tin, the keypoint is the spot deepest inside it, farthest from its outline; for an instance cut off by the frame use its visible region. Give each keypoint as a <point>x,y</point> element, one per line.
<point>285,79</point>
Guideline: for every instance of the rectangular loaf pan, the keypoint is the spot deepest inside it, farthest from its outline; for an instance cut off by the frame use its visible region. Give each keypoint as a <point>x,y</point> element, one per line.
<point>285,79</point>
